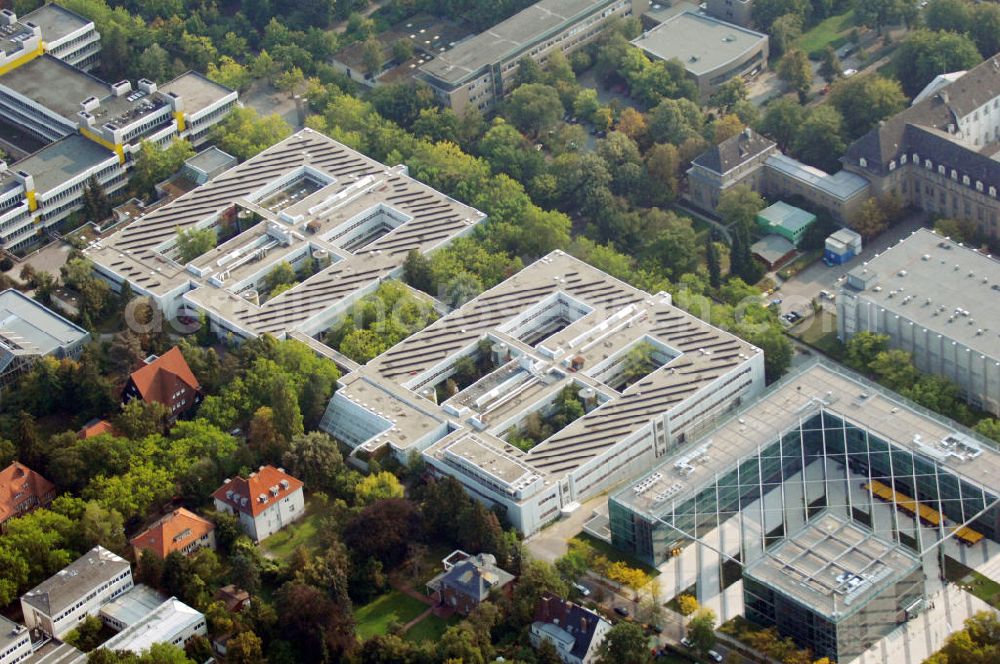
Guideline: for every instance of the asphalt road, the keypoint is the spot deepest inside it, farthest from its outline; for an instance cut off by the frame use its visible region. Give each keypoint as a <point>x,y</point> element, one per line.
<point>797,293</point>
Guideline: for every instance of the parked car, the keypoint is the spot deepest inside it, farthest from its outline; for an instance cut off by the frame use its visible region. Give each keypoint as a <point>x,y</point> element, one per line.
<point>716,657</point>
<point>622,611</point>
<point>582,589</point>
<point>686,642</point>
<point>849,72</point>
<point>776,300</point>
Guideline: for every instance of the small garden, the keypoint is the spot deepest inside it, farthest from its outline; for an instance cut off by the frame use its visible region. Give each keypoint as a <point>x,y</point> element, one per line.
<point>972,582</point>
<point>540,425</point>
<point>387,612</point>
<point>380,321</point>
<point>467,370</point>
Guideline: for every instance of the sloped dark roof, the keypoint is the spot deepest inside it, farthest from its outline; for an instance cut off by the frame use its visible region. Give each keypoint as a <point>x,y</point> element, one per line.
<point>734,151</point>
<point>474,577</point>
<point>880,145</point>
<point>579,622</point>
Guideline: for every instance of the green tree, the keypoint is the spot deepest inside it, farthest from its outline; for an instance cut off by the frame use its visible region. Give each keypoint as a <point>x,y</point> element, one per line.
<point>739,205</point>
<point>378,486</point>
<point>819,141</point>
<point>831,68</point>
<point>701,630</point>
<point>782,120</point>
<point>154,164</point>
<point>796,71</point>
<point>878,13</point>
<point>230,73</point>
<point>194,242</point>
<point>989,427</point>
<point>925,54</point>
<point>863,101</point>
<point>244,133</point>
<point>985,28</point>
<point>949,15</point>
<point>372,56</point>
<point>863,348</point>
<point>871,219</point>
<point>86,635</point>
<point>784,31</point>
<point>534,108</point>
<point>712,262</point>
<point>624,642</point>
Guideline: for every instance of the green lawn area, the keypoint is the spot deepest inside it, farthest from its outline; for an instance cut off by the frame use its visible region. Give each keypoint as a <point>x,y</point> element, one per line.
<point>375,617</point>
<point>430,628</point>
<point>820,332</point>
<point>614,555</point>
<point>304,532</point>
<point>973,582</point>
<point>834,31</point>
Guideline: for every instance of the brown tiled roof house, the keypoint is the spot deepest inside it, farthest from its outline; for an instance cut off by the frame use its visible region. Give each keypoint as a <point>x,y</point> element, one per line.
<point>166,379</point>
<point>22,490</point>
<point>181,530</point>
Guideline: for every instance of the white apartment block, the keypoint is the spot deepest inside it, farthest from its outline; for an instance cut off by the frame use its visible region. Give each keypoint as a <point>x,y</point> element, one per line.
<point>15,642</point>
<point>58,605</point>
<point>935,299</point>
<point>91,128</point>
<point>265,502</point>
<point>557,325</point>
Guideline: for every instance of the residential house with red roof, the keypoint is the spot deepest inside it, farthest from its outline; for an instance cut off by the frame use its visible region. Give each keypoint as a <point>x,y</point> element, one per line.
<point>265,502</point>
<point>22,490</point>
<point>182,531</point>
<point>166,379</point>
<point>96,427</point>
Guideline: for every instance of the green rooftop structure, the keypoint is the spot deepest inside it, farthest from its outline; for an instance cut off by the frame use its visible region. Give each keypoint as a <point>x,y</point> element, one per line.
<point>785,220</point>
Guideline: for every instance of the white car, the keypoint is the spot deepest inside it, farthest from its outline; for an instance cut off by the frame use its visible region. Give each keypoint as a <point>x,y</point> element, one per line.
<point>582,589</point>
<point>850,72</point>
<point>716,657</point>
<point>686,642</point>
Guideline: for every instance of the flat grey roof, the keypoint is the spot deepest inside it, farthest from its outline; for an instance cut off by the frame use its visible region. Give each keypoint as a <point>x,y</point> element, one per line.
<point>508,37</point>
<point>134,605</point>
<point>66,158</point>
<point>55,85</point>
<point>55,21</point>
<point>32,326</point>
<point>832,566</point>
<point>842,185</point>
<point>619,316</point>
<point>926,266</point>
<point>210,159</point>
<point>816,386</point>
<point>352,185</point>
<point>772,247</point>
<point>73,582</point>
<point>56,652</point>
<point>197,91</point>
<point>700,42</point>
<point>10,633</point>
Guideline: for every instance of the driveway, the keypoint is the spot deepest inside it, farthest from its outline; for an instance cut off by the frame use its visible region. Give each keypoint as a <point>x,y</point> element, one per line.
<point>267,100</point>
<point>798,292</point>
<point>550,543</point>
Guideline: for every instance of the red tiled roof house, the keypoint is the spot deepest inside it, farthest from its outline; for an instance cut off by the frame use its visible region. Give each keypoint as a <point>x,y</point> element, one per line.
<point>181,530</point>
<point>265,502</point>
<point>22,490</point>
<point>166,379</point>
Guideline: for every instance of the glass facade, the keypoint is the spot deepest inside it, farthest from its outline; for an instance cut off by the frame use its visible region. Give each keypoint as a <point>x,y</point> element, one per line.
<point>839,455</point>
<point>842,638</point>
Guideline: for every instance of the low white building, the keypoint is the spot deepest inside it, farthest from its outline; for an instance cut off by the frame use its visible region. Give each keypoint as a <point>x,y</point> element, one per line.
<point>265,502</point>
<point>172,622</point>
<point>15,642</point>
<point>60,603</point>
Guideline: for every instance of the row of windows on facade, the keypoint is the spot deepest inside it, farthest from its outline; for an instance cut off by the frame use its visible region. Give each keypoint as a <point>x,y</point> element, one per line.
<point>941,169</point>
<point>94,593</point>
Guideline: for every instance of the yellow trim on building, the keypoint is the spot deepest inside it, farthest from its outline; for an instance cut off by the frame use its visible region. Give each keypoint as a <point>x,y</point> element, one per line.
<point>24,59</point>
<point>117,148</point>
<point>179,117</point>
<point>32,201</point>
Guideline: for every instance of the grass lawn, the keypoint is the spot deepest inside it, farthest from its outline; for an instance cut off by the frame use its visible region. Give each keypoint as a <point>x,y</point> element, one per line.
<point>304,532</point>
<point>973,582</point>
<point>820,332</point>
<point>375,617</point>
<point>834,31</point>
<point>430,628</point>
<point>614,555</point>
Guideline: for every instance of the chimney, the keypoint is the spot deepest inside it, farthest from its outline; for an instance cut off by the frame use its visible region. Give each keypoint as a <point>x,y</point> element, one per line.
<point>545,608</point>
<point>583,624</point>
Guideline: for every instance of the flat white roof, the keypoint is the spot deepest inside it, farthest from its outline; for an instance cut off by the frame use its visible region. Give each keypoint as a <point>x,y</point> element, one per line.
<point>701,43</point>
<point>842,185</point>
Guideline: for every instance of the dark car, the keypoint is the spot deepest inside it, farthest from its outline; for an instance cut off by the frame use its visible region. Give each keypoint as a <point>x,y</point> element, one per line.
<point>622,611</point>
